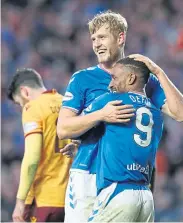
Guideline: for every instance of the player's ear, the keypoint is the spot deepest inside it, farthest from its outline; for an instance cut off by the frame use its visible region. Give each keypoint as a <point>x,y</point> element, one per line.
<point>121,39</point>
<point>131,78</point>
<point>24,92</point>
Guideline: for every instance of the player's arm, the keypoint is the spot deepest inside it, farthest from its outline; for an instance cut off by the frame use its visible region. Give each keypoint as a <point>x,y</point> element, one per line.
<point>32,126</point>
<point>32,155</point>
<point>70,125</point>
<point>173,105</point>
<point>174,99</point>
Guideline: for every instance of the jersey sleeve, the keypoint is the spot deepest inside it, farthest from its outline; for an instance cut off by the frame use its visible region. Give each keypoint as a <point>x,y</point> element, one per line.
<point>155,92</point>
<point>31,120</point>
<point>74,95</point>
<point>98,103</point>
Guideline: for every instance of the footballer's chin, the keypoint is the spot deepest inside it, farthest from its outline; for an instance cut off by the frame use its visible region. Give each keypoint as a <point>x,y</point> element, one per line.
<point>103,58</point>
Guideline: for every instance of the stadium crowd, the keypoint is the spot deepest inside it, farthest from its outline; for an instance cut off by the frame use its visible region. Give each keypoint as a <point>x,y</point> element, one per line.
<point>51,36</point>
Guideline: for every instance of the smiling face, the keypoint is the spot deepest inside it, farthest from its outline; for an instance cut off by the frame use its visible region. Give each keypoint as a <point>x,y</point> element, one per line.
<point>129,75</point>
<point>106,46</point>
<point>119,79</point>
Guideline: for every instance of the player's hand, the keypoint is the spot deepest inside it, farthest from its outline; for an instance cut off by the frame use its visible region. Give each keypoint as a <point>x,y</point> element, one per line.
<point>70,149</point>
<point>153,67</point>
<point>18,211</point>
<point>114,112</point>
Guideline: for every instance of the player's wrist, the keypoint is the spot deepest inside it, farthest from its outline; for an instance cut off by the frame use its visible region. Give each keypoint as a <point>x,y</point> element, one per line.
<point>21,195</point>
<point>100,115</point>
<point>20,200</point>
<point>160,73</point>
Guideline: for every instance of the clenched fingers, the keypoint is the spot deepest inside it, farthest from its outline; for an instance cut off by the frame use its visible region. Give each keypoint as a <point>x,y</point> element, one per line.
<point>68,149</point>
<point>77,142</point>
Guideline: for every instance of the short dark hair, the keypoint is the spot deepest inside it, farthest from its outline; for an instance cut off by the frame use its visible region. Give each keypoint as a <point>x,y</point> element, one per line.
<point>25,76</point>
<point>137,67</point>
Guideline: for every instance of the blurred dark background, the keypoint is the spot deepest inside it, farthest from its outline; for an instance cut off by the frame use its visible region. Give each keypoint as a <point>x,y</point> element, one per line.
<point>52,37</point>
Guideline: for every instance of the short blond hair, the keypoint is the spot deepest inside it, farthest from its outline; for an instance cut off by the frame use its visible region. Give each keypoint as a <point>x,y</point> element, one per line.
<point>117,23</point>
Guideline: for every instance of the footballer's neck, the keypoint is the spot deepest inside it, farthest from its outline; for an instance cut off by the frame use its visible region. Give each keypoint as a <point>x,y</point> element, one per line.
<point>108,66</point>
<point>137,90</point>
<point>37,92</point>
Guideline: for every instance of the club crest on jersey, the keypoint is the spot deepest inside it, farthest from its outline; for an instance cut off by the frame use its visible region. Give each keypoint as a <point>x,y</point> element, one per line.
<point>68,96</point>
<point>29,126</point>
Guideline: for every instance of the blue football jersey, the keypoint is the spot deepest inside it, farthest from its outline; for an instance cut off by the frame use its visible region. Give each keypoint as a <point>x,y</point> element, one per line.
<point>84,87</point>
<point>155,92</point>
<point>126,152</point>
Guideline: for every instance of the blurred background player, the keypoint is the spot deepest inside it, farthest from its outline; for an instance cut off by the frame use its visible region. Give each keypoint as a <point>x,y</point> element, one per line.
<point>44,170</point>
<point>42,34</point>
<point>125,162</point>
<point>108,32</point>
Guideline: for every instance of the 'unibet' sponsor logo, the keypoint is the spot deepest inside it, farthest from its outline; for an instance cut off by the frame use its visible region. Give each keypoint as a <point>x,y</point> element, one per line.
<point>68,96</point>
<point>138,167</point>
